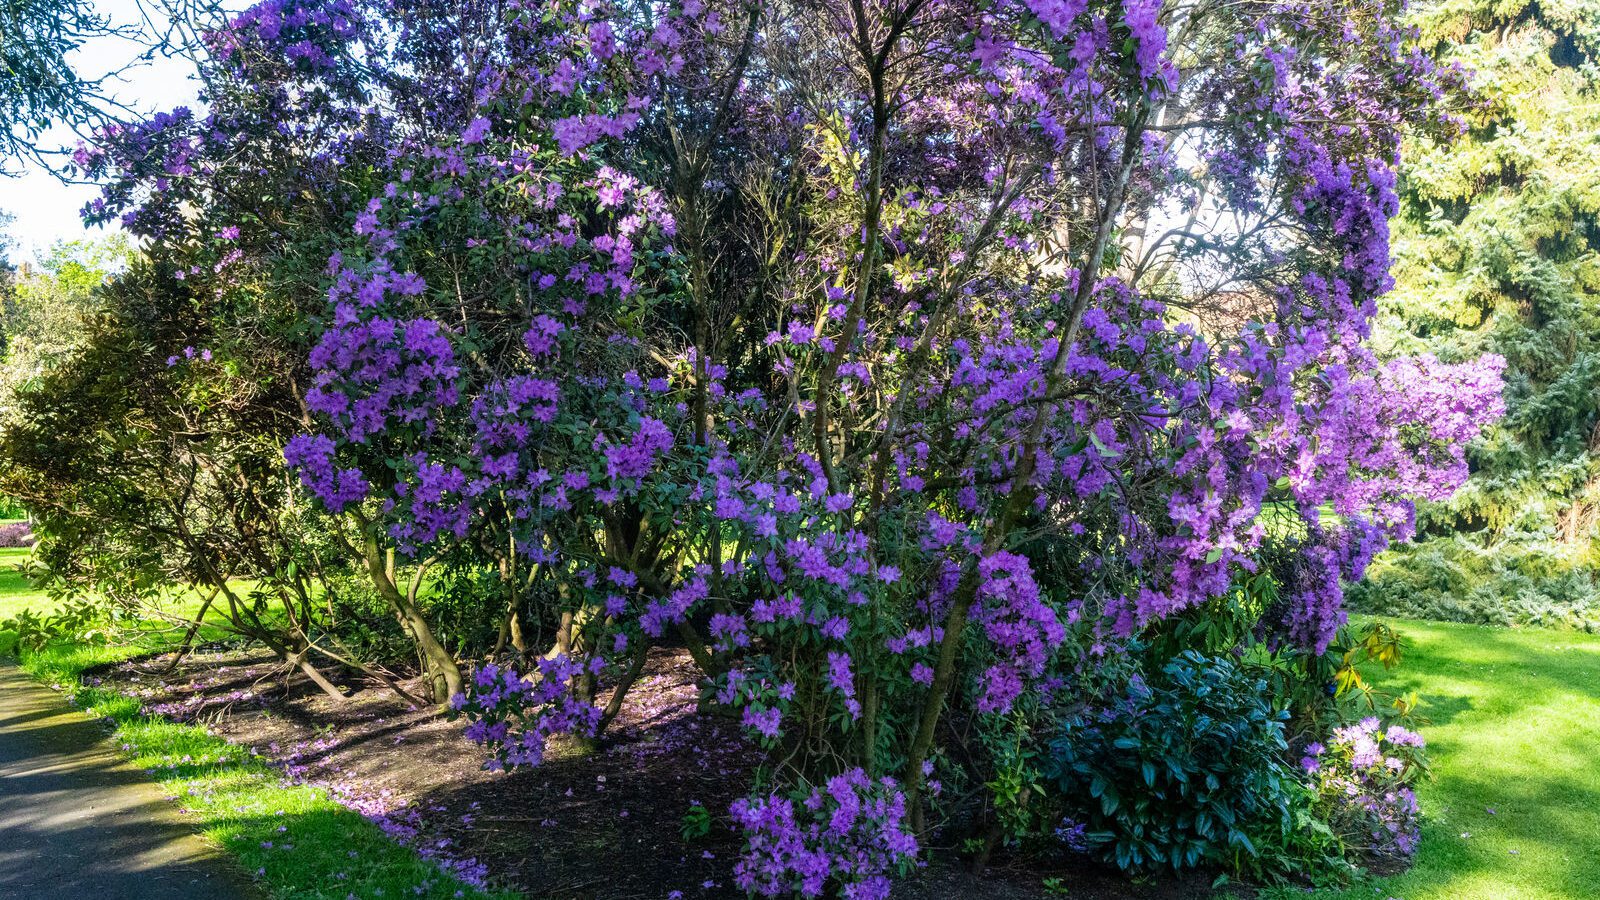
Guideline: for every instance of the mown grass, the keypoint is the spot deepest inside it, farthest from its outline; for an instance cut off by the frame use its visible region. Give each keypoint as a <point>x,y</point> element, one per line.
<point>296,840</point>
<point>1513,811</point>
<point>16,592</point>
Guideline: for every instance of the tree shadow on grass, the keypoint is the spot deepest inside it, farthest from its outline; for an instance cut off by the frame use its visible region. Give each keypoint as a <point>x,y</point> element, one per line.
<point>1552,817</point>
<point>1514,728</point>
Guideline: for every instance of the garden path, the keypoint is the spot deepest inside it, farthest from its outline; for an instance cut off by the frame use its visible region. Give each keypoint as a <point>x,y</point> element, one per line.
<point>79,822</point>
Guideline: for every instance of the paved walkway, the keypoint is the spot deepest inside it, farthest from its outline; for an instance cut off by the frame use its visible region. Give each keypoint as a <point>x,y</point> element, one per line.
<point>77,822</point>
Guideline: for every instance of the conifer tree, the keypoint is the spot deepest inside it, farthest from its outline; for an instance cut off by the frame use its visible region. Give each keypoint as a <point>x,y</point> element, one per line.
<point>1496,251</point>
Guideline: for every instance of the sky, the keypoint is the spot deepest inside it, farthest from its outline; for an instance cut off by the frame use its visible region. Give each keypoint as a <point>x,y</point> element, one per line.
<point>45,209</point>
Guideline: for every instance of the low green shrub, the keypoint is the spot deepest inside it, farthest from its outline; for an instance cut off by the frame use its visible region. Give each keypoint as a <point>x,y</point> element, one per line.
<point>27,632</point>
<point>1184,770</point>
<point>466,606</point>
<point>1513,583</point>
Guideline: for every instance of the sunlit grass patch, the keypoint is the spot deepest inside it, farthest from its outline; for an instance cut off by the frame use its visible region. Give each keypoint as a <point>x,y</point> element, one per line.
<point>1513,812</point>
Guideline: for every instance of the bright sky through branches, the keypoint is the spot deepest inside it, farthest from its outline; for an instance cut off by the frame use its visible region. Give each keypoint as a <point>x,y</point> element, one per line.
<point>45,208</point>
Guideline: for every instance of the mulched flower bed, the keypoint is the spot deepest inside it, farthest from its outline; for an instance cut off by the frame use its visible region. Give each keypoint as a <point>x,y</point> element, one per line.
<point>603,825</point>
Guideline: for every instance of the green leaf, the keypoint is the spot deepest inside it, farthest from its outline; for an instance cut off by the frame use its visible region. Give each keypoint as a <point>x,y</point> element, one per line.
<point>1100,446</point>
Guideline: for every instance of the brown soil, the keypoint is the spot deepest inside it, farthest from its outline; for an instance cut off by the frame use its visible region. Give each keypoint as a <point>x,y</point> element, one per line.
<point>603,825</point>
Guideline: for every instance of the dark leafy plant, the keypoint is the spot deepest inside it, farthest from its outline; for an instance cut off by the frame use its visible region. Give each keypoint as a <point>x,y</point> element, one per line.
<point>696,823</point>
<point>9,508</point>
<point>1185,769</point>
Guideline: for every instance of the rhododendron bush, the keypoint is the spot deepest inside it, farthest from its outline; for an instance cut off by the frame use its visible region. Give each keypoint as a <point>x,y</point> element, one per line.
<point>1364,777</point>
<point>897,359</point>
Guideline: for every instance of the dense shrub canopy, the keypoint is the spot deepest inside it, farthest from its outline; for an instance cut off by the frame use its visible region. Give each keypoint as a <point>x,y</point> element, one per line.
<point>1186,769</point>
<point>894,358</point>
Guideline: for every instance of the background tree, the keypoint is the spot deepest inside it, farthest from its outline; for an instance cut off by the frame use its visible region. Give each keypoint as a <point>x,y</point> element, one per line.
<point>45,314</point>
<point>1496,251</point>
<point>7,243</point>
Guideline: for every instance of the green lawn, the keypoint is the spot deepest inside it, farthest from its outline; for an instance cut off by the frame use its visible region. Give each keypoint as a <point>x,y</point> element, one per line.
<point>1513,812</point>
<point>16,594</point>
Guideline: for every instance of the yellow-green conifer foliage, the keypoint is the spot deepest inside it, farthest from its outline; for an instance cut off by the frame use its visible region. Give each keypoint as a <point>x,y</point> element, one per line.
<point>1498,250</point>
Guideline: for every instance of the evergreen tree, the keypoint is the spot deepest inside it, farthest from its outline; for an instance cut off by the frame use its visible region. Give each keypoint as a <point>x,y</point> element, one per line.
<point>1496,251</point>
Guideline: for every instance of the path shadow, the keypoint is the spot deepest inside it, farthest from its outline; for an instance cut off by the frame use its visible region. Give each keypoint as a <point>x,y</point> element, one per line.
<point>78,822</point>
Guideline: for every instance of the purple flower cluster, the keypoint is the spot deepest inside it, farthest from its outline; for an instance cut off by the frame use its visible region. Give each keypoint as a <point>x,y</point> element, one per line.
<point>1142,19</point>
<point>305,33</point>
<point>847,835</point>
<point>1364,776</point>
<point>1074,836</point>
<point>1021,626</point>
<point>515,715</point>
<point>762,701</point>
<point>313,456</point>
<point>631,461</point>
<point>379,372</point>
<point>16,534</point>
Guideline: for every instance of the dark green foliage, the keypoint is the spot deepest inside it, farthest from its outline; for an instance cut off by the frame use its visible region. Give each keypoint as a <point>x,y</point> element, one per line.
<point>1187,769</point>
<point>361,621</point>
<point>37,84</point>
<point>468,604</point>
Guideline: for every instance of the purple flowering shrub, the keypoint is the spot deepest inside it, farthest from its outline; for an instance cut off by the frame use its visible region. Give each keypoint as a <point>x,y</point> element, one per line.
<point>842,838</point>
<point>813,340</point>
<point>1364,775</point>
<point>16,534</point>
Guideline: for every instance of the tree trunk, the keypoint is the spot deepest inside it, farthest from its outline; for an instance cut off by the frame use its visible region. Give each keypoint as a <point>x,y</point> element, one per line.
<point>187,643</point>
<point>301,662</point>
<point>444,676</point>
<point>944,673</point>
